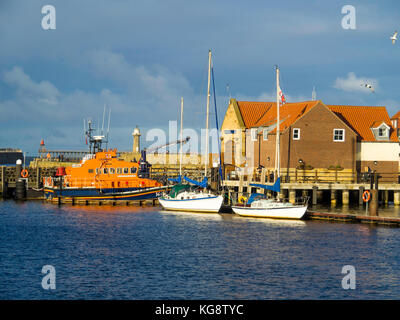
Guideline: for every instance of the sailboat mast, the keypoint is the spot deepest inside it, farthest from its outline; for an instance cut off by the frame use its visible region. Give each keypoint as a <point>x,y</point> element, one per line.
<point>208,112</point>
<point>277,151</point>
<point>180,160</point>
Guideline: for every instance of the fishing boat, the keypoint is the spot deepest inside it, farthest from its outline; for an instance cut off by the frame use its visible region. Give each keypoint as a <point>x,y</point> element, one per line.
<point>258,205</point>
<point>193,196</point>
<point>101,175</point>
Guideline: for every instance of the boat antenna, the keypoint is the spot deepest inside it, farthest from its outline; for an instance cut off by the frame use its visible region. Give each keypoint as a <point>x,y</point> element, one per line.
<point>102,126</point>
<point>108,127</point>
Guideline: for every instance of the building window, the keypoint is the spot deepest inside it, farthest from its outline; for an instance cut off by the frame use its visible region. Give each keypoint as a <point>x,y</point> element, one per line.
<point>296,134</point>
<point>338,135</point>
<point>265,134</point>
<point>253,134</point>
<point>382,132</point>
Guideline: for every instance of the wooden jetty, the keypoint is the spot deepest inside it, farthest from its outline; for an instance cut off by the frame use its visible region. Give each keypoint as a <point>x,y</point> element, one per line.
<point>350,218</point>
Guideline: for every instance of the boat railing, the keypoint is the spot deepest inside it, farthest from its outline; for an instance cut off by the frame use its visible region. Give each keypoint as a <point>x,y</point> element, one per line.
<point>243,199</point>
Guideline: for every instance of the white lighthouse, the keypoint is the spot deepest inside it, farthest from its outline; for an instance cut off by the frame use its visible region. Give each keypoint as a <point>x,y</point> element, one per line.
<point>136,140</point>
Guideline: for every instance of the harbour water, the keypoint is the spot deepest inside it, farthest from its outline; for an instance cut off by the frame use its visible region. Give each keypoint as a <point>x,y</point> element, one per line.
<point>102,252</point>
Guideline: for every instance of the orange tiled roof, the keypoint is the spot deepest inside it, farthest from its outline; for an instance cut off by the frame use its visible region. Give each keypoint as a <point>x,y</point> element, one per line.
<point>257,114</point>
<point>361,119</point>
<point>396,116</point>
<point>252,111</point>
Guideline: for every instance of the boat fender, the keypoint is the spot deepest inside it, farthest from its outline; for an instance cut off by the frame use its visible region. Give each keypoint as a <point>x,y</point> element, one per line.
<point>242,199</point>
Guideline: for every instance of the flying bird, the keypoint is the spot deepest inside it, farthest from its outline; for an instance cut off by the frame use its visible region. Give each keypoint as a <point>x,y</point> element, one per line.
<point>368,86</point>
<point>394,37</point>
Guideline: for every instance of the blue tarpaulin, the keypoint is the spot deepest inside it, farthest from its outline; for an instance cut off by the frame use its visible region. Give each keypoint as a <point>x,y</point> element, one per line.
<point>276,187</point>
<point>178,180</point>
<point>202,184</point>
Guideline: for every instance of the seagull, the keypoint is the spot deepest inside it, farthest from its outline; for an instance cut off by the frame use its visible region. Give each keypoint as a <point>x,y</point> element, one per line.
<point>394,37</point>
<point>368,86</point>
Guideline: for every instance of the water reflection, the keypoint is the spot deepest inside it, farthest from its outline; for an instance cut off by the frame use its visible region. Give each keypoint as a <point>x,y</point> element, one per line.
<point>278,222</point>
<point>383,211</point>
<point>192,215</point>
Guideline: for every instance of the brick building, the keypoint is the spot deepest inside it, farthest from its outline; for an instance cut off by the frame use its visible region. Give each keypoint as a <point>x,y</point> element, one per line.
<point>313,136</point>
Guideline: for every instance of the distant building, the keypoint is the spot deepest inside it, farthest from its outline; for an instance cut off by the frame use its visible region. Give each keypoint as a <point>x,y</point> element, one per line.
<point>396,123</point>
<point>313,136</point>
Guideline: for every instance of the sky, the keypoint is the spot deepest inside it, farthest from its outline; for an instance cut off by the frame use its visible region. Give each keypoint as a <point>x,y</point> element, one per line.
<point>138,58</point>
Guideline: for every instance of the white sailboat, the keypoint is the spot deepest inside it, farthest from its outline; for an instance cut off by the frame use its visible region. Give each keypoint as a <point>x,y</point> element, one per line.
<point>258,205</point>
<point>182,196</point>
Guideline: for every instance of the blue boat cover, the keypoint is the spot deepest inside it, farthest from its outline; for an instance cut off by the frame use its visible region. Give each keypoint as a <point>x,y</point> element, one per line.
<point>202,184</point>
<point>178,180</point>
<point>255,196</point>
<point>276,187</point>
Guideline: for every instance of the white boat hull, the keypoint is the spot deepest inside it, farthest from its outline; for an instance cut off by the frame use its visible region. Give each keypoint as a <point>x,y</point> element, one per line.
<point>206,204</point>
<point>295,212</point>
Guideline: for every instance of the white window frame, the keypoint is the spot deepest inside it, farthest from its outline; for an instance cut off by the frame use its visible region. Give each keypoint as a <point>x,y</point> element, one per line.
<point>253,134</point>
<point>265,134</point>
<point>298,133</point>
<point>385,132</point>
<point>344,137</point>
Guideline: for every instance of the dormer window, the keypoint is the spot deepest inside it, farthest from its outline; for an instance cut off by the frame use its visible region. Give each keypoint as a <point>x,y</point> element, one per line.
<point>382,132</point>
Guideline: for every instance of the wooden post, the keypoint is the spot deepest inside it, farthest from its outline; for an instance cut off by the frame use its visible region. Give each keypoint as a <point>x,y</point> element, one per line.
<point>386,197</point>
<point>240,185</point>
<point>345,197</point>
<point>333,197</point>
<point>314,194</point>
<point>360,194</point>
<point>3,181</point>
<point>373,206</point>
<point>292,195</point>
<point>396,197</point>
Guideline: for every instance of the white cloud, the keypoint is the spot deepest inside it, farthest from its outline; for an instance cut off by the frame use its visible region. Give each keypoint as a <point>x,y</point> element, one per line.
<point>43,91</point>
<point>354,83</point>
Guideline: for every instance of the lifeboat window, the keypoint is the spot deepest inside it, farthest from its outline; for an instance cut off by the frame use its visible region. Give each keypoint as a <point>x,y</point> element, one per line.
<point>119,170</point>
<point>97,170</point>
<point>90,170</point>
<point>126,170</point>
<point>105,170</point>
<point>112,170</point>
<point>133,170</point>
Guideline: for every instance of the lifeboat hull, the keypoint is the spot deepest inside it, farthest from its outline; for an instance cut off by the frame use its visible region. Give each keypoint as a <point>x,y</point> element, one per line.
<point>123,194</point>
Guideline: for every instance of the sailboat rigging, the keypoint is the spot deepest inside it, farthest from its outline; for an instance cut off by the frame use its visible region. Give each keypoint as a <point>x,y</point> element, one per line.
<point>257,205</point>
<point>185,197</point>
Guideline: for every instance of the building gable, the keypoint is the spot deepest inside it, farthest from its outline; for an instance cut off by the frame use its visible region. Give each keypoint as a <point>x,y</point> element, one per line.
<point>233,119</point>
